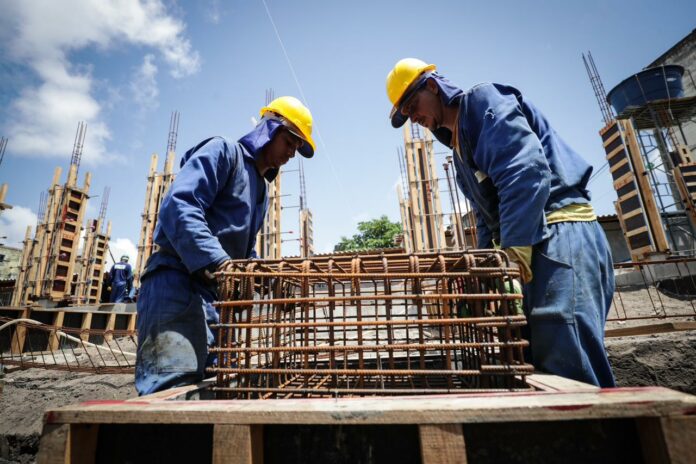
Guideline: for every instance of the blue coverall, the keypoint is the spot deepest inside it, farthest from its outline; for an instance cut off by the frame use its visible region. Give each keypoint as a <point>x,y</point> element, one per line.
<point>515,169</point>
<point>211,213</point>
<point>121,281</point>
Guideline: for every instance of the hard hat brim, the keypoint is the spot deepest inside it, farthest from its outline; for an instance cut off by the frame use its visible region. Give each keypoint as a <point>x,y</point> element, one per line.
<point>307,148</point>
<point>398,119</point>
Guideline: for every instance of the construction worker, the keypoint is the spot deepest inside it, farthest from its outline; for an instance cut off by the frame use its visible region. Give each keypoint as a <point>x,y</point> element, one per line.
<point>210,215</point>
<point>121,280</point>
<point>528,190</point>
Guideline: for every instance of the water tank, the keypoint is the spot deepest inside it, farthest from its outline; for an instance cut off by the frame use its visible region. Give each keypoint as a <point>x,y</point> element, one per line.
<point>652,84</point>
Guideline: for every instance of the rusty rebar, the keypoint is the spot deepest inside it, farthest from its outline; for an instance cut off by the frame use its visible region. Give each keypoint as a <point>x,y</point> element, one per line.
<point>352,325</point>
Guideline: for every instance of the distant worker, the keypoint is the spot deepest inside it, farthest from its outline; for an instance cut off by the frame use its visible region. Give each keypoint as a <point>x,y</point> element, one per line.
<point>210,215</point>
<point>528,189</point>
<point>121,280</point>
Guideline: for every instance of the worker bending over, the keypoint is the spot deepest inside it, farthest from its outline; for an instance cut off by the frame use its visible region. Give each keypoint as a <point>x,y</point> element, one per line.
<point>210,215</point>
<point>121,280</point>
<point>528,189</point>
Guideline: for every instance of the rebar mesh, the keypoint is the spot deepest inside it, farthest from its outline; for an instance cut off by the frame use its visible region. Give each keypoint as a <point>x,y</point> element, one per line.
<point>370,325</point>
<point>35,345</point>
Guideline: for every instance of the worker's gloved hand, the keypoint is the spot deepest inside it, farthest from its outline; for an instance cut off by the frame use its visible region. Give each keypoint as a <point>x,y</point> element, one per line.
<point>522,256</point>
<point>225,266</point>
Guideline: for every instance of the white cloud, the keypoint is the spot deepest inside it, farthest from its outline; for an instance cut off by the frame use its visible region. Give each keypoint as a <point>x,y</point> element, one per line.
<point>13,225</point>
<point>144,84</point>
<point>120,247</point>
<point>42,35</point>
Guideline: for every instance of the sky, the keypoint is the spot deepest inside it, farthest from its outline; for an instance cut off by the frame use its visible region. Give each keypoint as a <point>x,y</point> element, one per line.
<point>124,66</point>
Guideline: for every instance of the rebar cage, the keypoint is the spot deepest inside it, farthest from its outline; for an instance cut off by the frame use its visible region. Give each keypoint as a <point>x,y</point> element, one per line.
<point>356,325</point>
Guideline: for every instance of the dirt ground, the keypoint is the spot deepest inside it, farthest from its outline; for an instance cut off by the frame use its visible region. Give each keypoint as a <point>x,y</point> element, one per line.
<point>665,359</point>
<point>27,394</point>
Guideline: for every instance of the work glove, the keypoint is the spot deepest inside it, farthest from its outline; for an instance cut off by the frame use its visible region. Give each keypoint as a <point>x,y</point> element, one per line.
<point>522,256</point>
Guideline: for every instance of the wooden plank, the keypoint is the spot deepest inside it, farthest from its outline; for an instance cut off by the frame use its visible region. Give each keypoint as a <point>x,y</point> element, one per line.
<point>237,444</point>
<point>649,204</point>
<point>619,165</point>
<point>53,447</point>
<point>679,434</point>
<point>624,179</point>
<point>453,408</point>
<point>83,443</point>
<point>20,334</point>
<point>442,444</point>
<point>630,194</point>
<point>85,326</point>
<point>635,212</point>
<point>637,231</point>
<point>131,322</point>
<point>611,139</point>
<point>622,182</point>
<point>110,325</point>
<point>667,439</point>
<point>549,382</point>
<point>652,440</point>
<point>54,339</point>
<point>615,151</point>
<point>649,329</point>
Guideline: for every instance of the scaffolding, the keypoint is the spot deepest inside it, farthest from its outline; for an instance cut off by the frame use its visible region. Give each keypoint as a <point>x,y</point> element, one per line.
<point>90,279</point>
<point>418,194</point>
<point>651,166</point>
<point>269,239</point>
<point>158,184</point>
<point>48,259</point>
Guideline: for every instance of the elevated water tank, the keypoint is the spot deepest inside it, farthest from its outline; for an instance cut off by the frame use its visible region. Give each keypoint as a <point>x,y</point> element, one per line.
<point>652,84</point>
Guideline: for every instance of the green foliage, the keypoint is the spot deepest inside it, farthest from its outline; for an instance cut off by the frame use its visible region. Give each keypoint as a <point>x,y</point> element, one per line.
<point>377,233</point>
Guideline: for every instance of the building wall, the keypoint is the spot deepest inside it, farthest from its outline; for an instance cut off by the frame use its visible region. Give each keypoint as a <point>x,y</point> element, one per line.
<point>684,53</point>
<point>9,262</point>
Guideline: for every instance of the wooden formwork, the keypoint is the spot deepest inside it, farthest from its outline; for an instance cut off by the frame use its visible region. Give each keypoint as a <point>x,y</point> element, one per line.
<point>106,317</point>
<point>157,186</point>
<point>636,207</point>
<point>561,420</point>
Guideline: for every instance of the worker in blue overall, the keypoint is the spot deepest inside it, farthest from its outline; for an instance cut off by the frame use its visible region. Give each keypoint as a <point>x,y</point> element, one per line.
<point>210,215</point>
<point>121,280</point>
<point>528,190</point>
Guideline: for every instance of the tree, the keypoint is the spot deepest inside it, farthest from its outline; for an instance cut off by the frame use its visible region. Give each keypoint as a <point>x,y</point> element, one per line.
<point>377,233</point>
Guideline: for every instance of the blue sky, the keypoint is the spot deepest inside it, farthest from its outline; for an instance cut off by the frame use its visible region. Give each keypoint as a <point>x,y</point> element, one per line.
<point>124,66</point>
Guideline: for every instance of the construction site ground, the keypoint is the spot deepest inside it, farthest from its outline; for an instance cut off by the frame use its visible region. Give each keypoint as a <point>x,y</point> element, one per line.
<point>666,359</point>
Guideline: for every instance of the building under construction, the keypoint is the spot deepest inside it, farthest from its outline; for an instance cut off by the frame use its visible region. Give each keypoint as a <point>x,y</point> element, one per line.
<point>649,152</point>
<point>49,264</point>
<point>419,194</point>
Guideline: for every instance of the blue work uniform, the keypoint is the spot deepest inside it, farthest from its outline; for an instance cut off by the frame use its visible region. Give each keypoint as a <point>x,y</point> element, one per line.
<point>121,281</point>
<point>516,170</point>
<point>211,213</point>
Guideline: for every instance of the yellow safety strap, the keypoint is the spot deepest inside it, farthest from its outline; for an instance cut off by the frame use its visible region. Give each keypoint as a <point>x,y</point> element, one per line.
<point>572,213</point>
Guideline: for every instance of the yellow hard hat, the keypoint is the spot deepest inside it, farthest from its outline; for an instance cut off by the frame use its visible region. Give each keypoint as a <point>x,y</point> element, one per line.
<point>292,111</point>
<point>405,73</point>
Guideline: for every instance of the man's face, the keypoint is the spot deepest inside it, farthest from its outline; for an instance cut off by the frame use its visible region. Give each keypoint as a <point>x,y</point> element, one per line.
<point>424,107</point>
<point>282,148</point>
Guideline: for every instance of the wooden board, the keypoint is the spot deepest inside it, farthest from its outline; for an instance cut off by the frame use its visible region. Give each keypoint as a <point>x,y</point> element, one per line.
<point>659,424</point>
<point>650,329</point>
<point>441,409</point>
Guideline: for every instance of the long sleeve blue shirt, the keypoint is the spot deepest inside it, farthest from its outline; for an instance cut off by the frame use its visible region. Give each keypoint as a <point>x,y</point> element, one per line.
<point>513,166</point>
<point>213,209</point>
